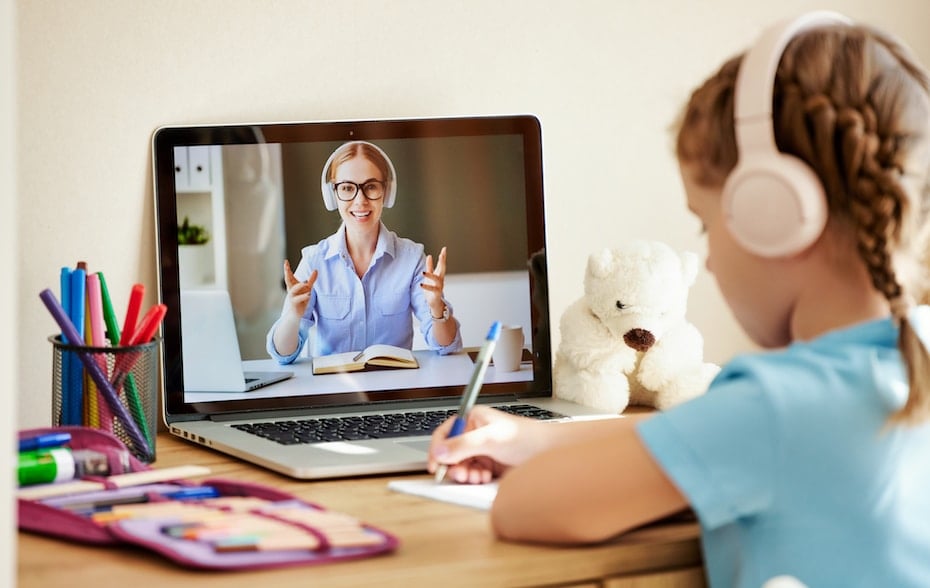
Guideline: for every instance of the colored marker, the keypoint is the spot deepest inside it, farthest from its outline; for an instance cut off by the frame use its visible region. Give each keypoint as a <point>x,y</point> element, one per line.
<point>44,441</point>
<point>69,363</point>
<point>472,389</point>
<point>95,311</point>
<point>105,504</point>
<point>192,493</point>
<point>146,330</point>
<point>113,335</point>
<point>109,317</point>
<point>149,325</point>
<point>109,394</point>
<point>77,311</point>
<point>96,413</point>
<point>132,313</point>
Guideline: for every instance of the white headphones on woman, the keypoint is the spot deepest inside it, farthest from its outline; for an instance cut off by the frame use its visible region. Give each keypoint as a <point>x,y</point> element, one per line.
<point>329,195</point>
<point>773,203</point>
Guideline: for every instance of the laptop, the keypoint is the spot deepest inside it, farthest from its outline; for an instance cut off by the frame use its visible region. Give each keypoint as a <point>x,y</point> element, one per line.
<point>213,362</point>
<point>471,184</point>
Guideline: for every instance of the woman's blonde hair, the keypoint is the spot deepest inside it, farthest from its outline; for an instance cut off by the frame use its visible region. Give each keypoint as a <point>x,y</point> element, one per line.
<point>354,149</point>
<point>855,105</point>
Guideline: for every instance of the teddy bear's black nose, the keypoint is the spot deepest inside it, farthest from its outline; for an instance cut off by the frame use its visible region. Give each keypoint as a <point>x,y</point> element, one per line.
<point>639,339</point>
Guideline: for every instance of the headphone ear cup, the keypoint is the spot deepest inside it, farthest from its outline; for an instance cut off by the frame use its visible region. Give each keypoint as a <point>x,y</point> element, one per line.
<point>774,204</point>
<point>392,191</point>
<point>329,197</point>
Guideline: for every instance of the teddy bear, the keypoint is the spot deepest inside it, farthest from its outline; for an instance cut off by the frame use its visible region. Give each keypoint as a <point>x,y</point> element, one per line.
<point>626,340</point>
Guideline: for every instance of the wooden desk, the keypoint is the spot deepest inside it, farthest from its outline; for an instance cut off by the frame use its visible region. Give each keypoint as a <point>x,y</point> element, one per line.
<point>440,544</point>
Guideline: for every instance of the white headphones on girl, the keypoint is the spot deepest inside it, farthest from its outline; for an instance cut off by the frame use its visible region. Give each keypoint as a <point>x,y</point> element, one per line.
<point>774,204</point>
<point>329,195</point>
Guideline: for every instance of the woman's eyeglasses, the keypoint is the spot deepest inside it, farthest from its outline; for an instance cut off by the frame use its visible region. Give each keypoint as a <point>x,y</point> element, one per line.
<point>347,191</point>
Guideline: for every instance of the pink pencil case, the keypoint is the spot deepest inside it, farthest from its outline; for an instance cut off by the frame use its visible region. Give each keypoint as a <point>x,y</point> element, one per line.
<point>215,524</point>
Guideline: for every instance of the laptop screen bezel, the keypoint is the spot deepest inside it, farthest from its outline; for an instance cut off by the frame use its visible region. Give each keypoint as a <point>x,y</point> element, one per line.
<point>166,138</point>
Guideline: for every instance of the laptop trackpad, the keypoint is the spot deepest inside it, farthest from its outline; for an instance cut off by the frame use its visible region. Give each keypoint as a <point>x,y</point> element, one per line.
<point>422,445</point>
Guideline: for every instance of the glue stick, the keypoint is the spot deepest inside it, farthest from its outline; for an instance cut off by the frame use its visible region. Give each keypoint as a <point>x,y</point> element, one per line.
<point>46,465</point>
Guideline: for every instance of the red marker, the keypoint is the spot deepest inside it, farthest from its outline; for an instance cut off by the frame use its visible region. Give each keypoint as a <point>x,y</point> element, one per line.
<point>132,314</point>
<point>147,327</point>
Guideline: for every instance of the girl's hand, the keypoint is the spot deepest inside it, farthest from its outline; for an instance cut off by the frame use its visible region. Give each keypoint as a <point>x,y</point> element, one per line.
<point>434,282</point>
<point>298,293</point>
<point>492,442</point>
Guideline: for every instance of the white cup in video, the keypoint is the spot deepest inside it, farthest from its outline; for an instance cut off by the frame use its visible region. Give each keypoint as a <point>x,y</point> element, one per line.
<point>508,352</point>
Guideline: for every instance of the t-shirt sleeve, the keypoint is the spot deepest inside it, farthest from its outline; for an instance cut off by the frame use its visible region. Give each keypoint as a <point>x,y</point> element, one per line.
<point>718,449</point>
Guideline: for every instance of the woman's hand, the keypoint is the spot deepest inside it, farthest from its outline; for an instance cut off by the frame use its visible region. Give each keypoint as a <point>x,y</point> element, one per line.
<point>434,282</point>
<point>285,337</point>
<point>492,442</point>
<point>298,293</point>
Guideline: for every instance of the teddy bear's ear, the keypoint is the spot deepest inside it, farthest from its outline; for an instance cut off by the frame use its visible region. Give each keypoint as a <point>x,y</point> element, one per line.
<point>600,264</point>
<point>689,266</point>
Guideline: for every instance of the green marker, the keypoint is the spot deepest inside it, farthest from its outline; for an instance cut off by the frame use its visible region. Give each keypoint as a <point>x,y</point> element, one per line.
<point>113,335</point>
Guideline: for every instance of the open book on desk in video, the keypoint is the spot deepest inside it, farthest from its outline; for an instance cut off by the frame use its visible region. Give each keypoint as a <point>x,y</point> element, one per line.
<point>372,357</point>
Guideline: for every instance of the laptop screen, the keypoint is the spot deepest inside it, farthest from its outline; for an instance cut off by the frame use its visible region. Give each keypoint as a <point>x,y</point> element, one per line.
<point>235,202</point>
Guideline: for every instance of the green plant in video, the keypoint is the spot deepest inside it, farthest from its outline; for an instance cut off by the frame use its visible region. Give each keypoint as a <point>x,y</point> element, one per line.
<point>191,234</point>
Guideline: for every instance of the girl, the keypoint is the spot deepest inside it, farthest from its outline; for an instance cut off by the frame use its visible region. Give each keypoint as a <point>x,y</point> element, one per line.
<point>812,459</point>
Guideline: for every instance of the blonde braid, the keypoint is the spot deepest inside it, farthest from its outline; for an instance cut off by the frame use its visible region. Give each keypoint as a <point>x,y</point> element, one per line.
<point>854,105</point>
<point>865,171</point>
<point>828,120</point>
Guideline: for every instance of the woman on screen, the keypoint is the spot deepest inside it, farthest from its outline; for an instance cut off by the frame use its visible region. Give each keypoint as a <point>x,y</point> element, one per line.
<point>360,285</point>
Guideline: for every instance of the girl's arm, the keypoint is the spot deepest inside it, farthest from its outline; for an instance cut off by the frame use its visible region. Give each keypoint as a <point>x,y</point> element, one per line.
<point>574,482</point>
<point>592,484</point>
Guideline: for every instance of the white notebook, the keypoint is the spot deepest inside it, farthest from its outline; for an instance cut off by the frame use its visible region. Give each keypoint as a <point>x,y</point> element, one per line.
<point>479,496</point>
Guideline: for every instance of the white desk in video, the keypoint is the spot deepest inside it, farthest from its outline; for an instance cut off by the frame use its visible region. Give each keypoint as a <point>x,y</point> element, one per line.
<point>435,370</point>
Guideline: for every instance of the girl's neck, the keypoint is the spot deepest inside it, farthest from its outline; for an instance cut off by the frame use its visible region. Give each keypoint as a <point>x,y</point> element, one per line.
<point>835,297</point>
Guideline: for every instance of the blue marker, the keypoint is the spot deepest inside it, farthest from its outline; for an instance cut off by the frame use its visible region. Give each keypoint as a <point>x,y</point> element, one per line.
<point>69,363</point>
<point>44,441</point>
<point>193,493</point>
<point>472,389</point>
<point>75,408</point>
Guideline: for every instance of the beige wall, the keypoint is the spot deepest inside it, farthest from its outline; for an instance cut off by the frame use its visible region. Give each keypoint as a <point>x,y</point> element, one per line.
<point>8,336</point>
<point>605,77</point>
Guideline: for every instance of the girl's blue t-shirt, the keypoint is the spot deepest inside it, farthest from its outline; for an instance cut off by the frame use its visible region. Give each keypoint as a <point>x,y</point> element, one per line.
<point>792,469</point>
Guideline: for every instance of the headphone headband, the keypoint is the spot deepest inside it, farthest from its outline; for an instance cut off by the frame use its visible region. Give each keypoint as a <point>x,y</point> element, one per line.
<point>755,84</point>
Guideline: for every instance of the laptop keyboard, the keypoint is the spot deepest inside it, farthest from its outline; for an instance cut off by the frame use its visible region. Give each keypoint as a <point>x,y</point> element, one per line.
<point>373,426</point>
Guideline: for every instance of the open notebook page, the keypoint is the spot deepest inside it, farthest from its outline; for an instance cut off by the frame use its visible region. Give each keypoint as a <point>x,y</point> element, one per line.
<point>478,496</point>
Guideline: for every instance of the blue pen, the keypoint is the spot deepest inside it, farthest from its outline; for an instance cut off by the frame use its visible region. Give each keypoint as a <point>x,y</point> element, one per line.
<point>472,389</point>
<point>44,441</point>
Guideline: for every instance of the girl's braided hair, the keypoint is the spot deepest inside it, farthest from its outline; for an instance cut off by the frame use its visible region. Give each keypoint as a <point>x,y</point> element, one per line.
<point>854,105</point>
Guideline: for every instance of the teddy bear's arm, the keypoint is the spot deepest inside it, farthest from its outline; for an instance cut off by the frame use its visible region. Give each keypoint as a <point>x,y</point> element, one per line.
<point>674,369</point>
<point>587,344</point>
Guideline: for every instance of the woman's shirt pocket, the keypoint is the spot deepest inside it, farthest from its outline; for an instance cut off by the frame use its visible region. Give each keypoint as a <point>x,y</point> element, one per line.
<point>333,306</point>
<point>392,303</point>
